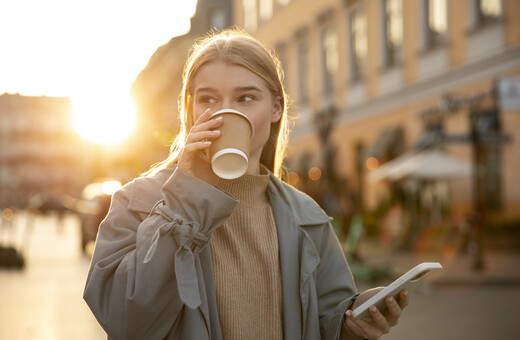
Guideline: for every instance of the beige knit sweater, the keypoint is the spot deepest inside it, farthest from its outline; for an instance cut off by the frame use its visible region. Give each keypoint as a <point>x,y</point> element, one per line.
<point>246,264</point>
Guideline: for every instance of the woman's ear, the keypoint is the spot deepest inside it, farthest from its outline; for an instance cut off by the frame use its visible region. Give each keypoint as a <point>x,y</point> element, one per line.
<point>277,110</point>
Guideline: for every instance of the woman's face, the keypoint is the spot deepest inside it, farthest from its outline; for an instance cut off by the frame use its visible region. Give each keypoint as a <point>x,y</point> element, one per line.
<point>220,85</point>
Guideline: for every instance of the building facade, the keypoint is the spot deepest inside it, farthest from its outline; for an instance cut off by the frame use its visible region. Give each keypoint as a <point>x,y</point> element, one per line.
<point>157,88</point>
<point>39,151</point>
<point>371,80</point>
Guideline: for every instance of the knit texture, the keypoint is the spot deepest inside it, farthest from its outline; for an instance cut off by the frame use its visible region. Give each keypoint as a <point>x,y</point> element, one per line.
<point>246,264</point>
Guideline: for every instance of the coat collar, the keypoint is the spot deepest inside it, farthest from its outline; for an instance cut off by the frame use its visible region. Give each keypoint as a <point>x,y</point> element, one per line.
<point>305,210</point>
<point>145,192</point>
<point>294,211</point>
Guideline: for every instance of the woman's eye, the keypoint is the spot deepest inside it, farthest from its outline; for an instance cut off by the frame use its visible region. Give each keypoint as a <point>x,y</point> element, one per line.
<point>246,98</point>
<point>207,100</point>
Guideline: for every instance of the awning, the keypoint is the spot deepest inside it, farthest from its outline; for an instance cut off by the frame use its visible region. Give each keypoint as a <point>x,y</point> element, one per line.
<point>428,164</point>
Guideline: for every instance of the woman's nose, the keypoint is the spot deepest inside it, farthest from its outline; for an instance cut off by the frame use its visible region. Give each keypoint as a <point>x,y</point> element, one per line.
<point>226,104</point>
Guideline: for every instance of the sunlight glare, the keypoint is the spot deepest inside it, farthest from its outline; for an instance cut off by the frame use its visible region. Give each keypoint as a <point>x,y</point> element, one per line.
<point>110,187</point>
<point>90,51</point>
<point>104,120</point>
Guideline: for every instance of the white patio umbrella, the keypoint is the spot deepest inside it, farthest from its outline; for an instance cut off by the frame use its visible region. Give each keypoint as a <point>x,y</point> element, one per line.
<point>428,164</point>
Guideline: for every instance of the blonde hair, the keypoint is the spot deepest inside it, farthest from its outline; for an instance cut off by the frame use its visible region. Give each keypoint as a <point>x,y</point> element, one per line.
<point>236,47</point>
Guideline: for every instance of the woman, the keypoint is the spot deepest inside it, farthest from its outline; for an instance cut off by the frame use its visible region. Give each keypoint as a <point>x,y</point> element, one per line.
<point>183,254</point>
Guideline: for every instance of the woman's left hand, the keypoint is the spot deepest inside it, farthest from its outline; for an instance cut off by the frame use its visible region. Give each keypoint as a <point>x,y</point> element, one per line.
<point>380,322</point>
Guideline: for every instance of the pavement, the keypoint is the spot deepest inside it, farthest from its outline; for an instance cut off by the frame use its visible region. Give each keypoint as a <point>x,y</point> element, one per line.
<point>457,302</point>
<point>44,301</point>
<point>501,265</point>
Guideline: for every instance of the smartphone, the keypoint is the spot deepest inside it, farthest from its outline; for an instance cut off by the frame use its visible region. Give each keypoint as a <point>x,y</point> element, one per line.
<point>407,281</point>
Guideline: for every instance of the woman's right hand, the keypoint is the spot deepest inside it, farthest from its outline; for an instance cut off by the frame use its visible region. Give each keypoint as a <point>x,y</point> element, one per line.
<point>379,323</point>
<point>192,159</point>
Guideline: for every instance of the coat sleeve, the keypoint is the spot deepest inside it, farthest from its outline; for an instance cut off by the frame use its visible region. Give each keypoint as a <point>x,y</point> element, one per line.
<point>336,289</point>
<point>143,271</point>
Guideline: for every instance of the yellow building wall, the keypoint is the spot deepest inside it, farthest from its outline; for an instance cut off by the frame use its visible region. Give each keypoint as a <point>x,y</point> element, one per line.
<point>410,43</point>
<point>304,14</point>
<point>512,32</point>
<point>457,31</point>
<point>374,27</point>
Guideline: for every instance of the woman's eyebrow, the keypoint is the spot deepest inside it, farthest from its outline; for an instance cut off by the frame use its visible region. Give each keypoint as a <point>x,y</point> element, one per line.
<point>206,89</point>
<point>247,88</point>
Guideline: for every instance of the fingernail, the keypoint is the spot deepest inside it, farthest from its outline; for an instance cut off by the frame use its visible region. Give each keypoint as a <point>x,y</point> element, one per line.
<point>390,299</point>
<point>207,143</point>
<point>405,293</point>
<point>217,132</point>
<point>373,309</point>
<point>349,313</point>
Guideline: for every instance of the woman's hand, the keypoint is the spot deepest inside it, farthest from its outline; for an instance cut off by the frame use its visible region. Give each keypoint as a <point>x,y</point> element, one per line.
<point>192,159</point>
<point>380,322</point>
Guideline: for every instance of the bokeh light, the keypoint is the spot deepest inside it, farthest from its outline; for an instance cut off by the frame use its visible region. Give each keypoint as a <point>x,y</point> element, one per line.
<point>314,173</point>
<point>110,187</point>
<point>372,163</point>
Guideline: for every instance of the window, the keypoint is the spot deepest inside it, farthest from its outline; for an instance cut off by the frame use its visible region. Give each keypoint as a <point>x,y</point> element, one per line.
<point>393,30</point>
<point>358,43</point>
<point>486,31</point>
<point>330,57</point>
<point>489,10</point>
<point>266,9</point>
<point>483,12</point>
<point>250,15</point>
<point>303,66</point>
<point>437,15</point>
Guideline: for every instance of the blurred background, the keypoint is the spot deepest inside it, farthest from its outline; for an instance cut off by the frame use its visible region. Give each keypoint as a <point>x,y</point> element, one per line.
<point>406,130</point>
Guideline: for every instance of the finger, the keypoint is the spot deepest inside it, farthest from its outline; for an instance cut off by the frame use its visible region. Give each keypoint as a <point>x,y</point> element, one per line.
<point>368,329</point>
<point>203,117</point>
<point>379,319</point>
<point>207,125</point>
<point>197,146</point>
<point>201,136</point>
<point>394,311</point>
<point>404,298</point>
<point>353,326</point>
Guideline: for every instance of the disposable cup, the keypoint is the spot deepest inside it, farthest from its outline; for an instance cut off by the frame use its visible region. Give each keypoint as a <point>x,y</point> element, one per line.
<point>229,153</point>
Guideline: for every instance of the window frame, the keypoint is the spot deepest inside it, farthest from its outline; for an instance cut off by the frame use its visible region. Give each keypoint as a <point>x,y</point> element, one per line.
<point>328,78</point>
<point>392,54</point>
<point>357,66</point>
<point>431,38</point>
<point>303,74</point>
<point>477,19</point>
<point>250,10</point>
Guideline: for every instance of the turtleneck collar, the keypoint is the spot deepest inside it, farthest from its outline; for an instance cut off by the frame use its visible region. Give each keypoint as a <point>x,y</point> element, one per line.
<point>250,190</point>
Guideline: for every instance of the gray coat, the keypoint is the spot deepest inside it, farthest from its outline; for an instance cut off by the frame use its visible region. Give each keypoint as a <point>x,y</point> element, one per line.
<point>151,275</point>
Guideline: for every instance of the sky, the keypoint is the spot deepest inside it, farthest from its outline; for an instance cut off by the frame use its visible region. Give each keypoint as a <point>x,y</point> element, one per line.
<point>90,51</point>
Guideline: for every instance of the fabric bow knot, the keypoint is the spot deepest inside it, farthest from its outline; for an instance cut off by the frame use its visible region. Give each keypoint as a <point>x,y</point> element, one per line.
<point>188,238</point>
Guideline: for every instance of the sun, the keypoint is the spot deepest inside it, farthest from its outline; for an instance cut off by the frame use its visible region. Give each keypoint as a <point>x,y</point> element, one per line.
<point>106,121</point>
<point>93,65</point>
